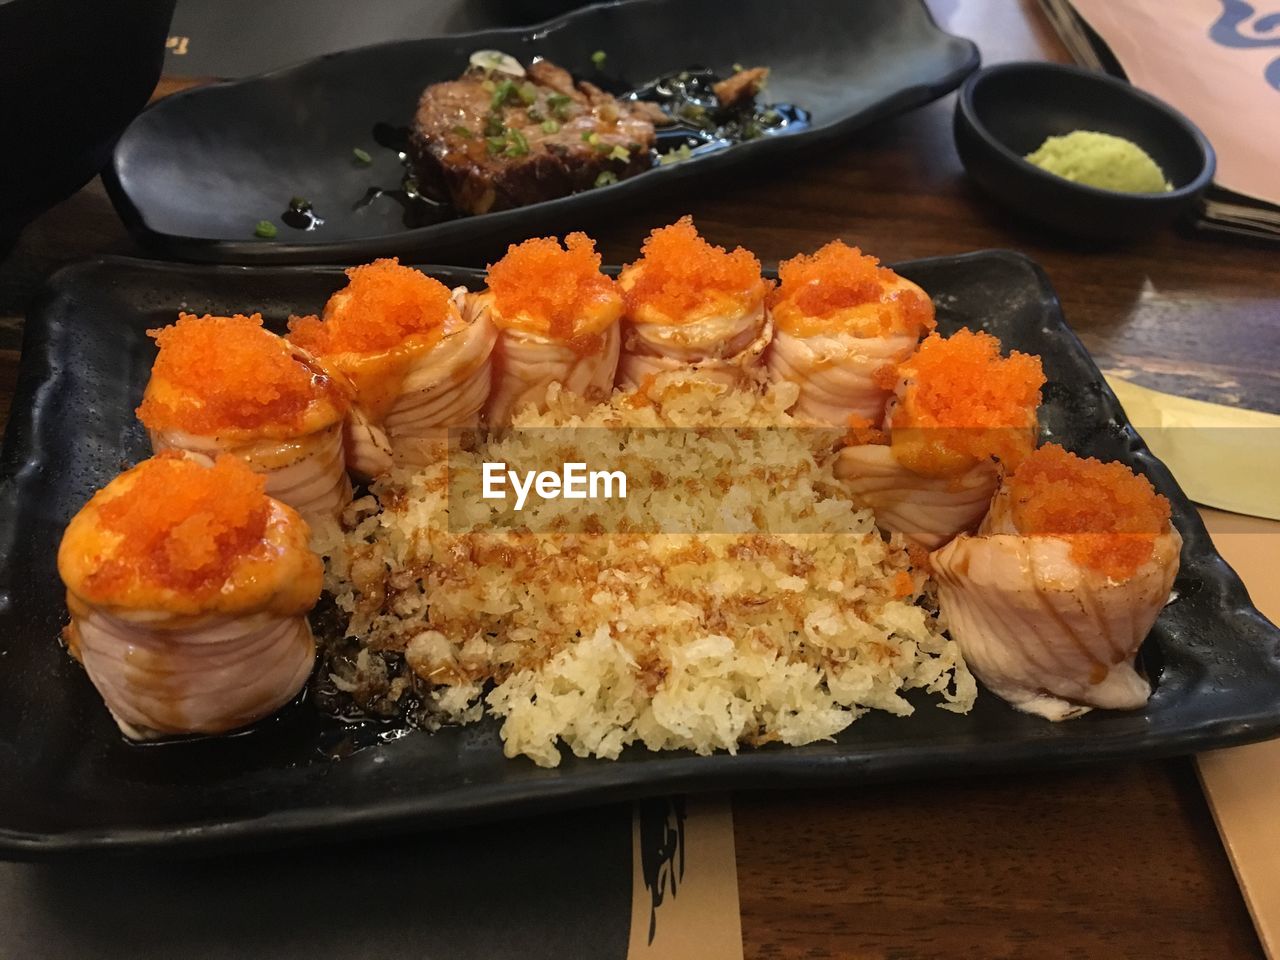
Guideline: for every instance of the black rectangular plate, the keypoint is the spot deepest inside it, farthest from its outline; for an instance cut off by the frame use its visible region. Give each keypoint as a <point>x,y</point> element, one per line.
<point>68,781</point>
<point>194,174</point>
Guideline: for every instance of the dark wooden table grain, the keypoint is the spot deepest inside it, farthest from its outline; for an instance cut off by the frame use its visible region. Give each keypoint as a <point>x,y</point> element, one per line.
<point>1114,862</point>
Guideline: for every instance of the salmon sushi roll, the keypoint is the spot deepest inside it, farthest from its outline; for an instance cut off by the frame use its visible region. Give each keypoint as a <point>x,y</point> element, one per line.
<point>959,410</point>
<point>188,589</point>
<point>1053,596</point>
<point>841,325</point>
<point>416,353</point>
<point>693,306</point>
<point>226,385</point>
<point>558,319</point>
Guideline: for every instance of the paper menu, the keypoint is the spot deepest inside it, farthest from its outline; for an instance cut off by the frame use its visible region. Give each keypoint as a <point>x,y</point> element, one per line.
<point>1218,61</point>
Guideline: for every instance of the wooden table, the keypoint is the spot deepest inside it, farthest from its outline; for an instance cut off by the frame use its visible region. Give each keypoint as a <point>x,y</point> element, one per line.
<point>1113,862</point>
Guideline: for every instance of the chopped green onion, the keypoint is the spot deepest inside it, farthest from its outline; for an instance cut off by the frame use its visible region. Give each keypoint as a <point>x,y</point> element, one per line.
<point>493,126</point>
<point>558,104</point>
<point>299,203</point>
<point>598,59</point>
<point>462,131</point>
<point>518,145</point>
<point>681,152</point>
<point>591,137</point>
<point>265,230</point>
<point>534,115</point>
<point>362,156</point>
<point>495,144</point>
<point>528,93</point>
<point>550,126</point>
<point>619,153</point>
<point>693,111</point>
<point>488,86</point>
<point>605,178</point>
<point>737,68</point>
<point>771,117</point>
<point>500,94</point>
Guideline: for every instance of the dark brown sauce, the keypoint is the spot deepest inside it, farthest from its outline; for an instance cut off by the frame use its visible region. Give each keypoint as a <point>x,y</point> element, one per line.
<point>301,215</point>
<point>416,209</point>
<point>702,124</point>
<point>370,714</point>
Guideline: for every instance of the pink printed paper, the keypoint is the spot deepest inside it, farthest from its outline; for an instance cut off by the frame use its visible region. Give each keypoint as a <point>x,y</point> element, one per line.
<point>1218,61</point>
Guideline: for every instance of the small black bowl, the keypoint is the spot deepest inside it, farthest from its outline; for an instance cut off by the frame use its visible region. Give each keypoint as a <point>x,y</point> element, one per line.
<point>1006,111</point>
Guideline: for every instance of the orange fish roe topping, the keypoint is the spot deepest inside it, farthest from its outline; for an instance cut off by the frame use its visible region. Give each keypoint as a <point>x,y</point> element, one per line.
<point>903,585</point>
<point>963,403</point>
<point>219,373</point>
<point>555,291</point>
<point>863,433</point>
<point>839,278</point>
<point>679,275</point>
<point>1110,515</point>
<point>382,304</point>
<point>181,525</point>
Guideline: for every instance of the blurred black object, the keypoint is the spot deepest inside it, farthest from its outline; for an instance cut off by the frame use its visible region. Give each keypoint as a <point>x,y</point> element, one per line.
<point>73,73</point>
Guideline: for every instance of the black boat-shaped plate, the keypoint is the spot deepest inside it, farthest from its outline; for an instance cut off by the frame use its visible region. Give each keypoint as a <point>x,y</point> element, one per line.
<point>194,174</point>
<point>68,781</point>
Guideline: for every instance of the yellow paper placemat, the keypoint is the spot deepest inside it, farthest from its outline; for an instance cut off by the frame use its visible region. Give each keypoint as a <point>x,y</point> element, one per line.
<point>1224,457</point>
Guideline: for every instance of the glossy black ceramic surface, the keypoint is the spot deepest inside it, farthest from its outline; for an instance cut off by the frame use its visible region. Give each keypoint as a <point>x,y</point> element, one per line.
<point>197,171</point>
<point>68,781</point>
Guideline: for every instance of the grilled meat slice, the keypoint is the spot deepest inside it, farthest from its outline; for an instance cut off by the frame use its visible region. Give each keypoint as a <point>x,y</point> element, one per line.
<point>489,141</point>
